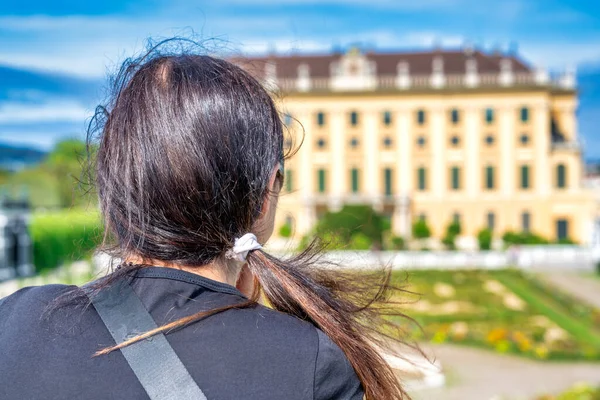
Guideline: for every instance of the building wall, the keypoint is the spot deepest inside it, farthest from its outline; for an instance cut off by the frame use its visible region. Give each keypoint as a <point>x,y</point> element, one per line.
<point>438,144</point>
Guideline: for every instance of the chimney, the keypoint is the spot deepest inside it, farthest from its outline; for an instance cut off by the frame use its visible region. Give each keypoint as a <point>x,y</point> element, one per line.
<point>303,81</point>
<point>402,75</point>
<point>471,74</point>
<point>507,78</point>
<point>468,49</point>
<point>541,76</point>
<point>568,79</point>
<point>437,79</point>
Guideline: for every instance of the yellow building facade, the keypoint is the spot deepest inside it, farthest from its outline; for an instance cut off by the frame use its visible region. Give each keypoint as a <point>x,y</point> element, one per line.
<point>443,135</point>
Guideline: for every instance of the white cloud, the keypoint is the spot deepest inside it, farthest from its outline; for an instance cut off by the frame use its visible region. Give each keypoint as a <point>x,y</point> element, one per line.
<point>40,140</point>
<point>56,111</point>
<point>559,55</point>
<point>87,46</point>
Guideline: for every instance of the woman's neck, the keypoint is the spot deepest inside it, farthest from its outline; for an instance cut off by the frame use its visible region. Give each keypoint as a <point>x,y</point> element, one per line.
<point>214,270</point>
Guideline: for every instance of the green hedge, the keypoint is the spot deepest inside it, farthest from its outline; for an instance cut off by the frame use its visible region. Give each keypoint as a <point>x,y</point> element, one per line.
<point>63,235</point>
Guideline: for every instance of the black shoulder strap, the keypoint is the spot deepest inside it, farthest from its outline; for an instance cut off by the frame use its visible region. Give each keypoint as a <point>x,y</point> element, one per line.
<point>154,362</point>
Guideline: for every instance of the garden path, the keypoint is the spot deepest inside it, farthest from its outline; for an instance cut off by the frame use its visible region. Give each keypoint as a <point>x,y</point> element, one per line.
<point>585,288</point>
<point>476,374</point>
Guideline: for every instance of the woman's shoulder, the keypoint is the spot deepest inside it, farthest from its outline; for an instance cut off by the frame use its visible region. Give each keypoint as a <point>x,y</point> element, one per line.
<point>334,376</point>
<point>31,299</point>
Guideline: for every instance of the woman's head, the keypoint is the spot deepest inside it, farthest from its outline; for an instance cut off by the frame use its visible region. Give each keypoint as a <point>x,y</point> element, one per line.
<point>191,158</point>
<point>190,154</point>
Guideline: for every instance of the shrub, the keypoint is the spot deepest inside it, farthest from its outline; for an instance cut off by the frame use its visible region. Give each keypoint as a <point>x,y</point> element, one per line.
<point>63,236</point>
<point>398,243</point>
<point>484,238</point>
<point>523,238</point>
<point>420,229</point>
<point>285,231</point>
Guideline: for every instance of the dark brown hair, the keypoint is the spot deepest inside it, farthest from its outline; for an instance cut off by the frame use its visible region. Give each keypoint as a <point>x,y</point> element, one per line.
<point>187,145</point>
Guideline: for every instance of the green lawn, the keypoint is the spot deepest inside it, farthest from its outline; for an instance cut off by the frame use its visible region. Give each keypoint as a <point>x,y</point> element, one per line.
<point>507,311</point>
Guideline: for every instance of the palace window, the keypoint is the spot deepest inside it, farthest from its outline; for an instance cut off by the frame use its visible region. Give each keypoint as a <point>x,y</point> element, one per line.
<point>387,177</point>
<point>387,118</point>
<point>420,117</point>
<point>454,116</point>
<point>456,218</point>
<point>455,178</point>
<point>524,139</point>
<point>525,177</point>
<point>561,176</point>
<point>489,178</point>
<point>562,229</point>
<point>387,142</point>
<point>489,140</point>
<point>321,143</point>
<point>421,141</point>
<point>320,118</point>
<point>524,114</point>
<point>455,140</point>
<point>353,118</point>
<point>491,221</point>
<point>489,115</point>
<point>321,175</point>
<point>354,180</point>
<point>354,143</point>
<point>422,178</point>
<point>526,222</point>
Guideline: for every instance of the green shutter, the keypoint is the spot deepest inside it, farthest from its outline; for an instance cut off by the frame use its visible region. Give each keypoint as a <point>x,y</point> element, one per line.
<point>354,180</point>
<point>489,177</point>
<point>455,178</point>
<point>561,176</point>
<point>422,179</point>
<point>321,181</point>
<point>388,181</point>
<point>524,114</point>
<point>524,177</point>
<point>489,115</point>
<point>321,119</point>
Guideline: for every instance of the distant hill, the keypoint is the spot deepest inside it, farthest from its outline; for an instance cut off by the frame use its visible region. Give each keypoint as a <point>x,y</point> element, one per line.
<point>17,157</point>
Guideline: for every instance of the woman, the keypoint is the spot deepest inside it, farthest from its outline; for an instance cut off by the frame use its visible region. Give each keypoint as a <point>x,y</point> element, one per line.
<point>188,171</point>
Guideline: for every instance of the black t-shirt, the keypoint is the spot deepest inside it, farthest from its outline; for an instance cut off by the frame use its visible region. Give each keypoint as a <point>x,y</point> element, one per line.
<point>252,353</point>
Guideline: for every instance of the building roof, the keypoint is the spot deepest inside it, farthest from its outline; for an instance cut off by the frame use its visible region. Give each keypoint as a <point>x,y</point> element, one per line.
<point>386,64</point>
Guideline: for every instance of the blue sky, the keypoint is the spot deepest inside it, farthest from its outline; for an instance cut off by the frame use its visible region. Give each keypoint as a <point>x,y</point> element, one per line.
<point>54,56</point>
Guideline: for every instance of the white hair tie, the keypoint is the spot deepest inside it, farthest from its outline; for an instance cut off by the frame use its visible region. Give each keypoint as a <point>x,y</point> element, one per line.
<point>242,246</point>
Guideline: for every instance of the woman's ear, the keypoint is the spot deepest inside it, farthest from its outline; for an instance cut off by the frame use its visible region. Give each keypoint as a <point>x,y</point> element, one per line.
<point>266,221</point>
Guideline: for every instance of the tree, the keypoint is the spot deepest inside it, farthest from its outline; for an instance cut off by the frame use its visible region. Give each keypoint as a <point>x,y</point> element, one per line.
<point>351,220</point>
<point>452,232</point>
<point>67,162</point>
<point>484,238</point>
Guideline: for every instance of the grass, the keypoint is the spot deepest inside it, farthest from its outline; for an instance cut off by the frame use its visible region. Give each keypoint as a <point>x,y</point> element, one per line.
<point>507,311</point>
<point>554,310</point>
